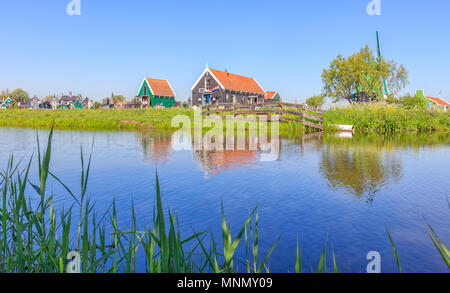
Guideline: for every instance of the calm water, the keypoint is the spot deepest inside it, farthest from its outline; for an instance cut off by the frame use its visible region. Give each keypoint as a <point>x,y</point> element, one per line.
<point>346,189</point>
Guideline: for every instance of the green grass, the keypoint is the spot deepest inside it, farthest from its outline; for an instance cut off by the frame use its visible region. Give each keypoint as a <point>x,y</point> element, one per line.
<point>36,238</point>
<point>383,118</point>
<point>92,119</point>
<point>367,118</point>
<point>135,119</point>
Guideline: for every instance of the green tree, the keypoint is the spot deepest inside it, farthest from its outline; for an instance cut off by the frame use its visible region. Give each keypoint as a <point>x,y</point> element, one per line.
<point>97,105</point>
<point>316,101</point>
<point>19,95</point>
<point>119,98</point>
<point>362,74</point>
<point>409,102</point>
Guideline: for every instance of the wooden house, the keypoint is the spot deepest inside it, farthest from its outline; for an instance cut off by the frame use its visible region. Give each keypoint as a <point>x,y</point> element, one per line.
<point>214,86</point>
<point>88,103</point>
<point>272,97</point>
<point>155,93</point>
<point>34,103</point>
<point>70,102</point>
<point>438,103</point>
<point>8,102</point>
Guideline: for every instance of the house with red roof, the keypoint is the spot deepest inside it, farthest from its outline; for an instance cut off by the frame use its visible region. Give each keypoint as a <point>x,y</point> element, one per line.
<point>272,97</point>
<point>155,92</point>
<point>438,103</point>
<point>215,86</point>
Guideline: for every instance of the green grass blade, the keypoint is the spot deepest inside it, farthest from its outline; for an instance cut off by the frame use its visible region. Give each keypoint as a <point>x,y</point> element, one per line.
<point>395,251</point>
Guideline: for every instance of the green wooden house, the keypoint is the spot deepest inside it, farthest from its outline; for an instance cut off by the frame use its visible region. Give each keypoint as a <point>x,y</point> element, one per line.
<point>5,104</point>
<point>155,92</point>
<point>272,97</point>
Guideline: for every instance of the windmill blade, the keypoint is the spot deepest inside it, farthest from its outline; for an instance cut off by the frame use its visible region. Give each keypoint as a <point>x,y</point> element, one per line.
<point>379,58</point>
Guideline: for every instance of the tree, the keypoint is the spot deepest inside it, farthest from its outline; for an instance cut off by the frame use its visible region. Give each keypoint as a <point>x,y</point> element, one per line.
<point>97,105</point>
<point>19,95</point>
<point>361,76</point>
<point>114,99</point>
<point>316,101</point>
<point>409,102</point>
<point>119,98</point>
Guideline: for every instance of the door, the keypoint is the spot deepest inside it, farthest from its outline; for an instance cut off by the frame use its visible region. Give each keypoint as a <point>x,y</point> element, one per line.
<point>207,99</point>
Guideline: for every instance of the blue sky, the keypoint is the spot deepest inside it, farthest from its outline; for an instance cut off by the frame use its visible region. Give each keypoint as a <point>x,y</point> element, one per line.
<point>283,44</point>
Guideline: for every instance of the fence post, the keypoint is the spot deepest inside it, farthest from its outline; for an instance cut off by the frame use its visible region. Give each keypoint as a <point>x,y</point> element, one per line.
<point>303,118</point>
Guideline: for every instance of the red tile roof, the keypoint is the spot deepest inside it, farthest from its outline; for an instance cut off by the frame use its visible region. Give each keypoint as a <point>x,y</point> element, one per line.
<point>270,95</point>
<point>238,82</point>
<point>160,87</point>
<point>439,101</point>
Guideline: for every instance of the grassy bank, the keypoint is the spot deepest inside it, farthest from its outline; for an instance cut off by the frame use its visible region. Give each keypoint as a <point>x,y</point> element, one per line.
<point>382,118</point>
<point>135,119</point>
<point>376,118</point>
<point>36,238</point>
<point>92,119</point>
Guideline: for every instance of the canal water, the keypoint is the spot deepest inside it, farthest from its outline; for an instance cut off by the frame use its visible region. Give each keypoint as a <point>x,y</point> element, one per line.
<point>341,189</point>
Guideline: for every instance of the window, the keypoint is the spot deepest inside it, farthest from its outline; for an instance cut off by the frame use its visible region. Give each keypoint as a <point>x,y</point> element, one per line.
<point>145,90</point>
<point>208,84</point>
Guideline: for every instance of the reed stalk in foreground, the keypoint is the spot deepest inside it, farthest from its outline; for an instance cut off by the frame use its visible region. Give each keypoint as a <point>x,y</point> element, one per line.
<point>37,238</point>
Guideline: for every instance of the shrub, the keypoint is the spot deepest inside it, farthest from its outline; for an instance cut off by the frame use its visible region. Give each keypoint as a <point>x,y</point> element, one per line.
<point>383,118</point>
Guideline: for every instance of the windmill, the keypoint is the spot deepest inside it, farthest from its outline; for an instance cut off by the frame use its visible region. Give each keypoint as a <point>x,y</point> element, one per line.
<point>386,91</point>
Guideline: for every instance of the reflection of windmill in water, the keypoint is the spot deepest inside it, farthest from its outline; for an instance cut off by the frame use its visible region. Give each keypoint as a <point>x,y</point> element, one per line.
<point>156,147</point>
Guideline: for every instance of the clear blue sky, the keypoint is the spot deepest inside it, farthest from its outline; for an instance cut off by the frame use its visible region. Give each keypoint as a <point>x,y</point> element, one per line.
<point>283,44</point>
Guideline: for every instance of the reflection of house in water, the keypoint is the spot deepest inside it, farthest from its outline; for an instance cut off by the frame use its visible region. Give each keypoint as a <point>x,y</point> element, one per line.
<point>218,161</point>
<point>156,147</point>
<point>215,161</point>
<point>361,169</point>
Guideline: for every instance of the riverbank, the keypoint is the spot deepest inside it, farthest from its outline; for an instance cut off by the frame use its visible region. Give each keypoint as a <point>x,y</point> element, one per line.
<point>382,118</point>
<point>134,119</point>
<point>375,118</point>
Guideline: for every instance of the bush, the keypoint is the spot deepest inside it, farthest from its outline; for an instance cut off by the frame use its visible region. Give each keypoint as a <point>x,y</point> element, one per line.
<point>383,118</point>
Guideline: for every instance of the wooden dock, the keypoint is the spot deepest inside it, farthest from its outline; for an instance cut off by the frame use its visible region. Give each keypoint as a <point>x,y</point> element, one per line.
<point>300,113</point>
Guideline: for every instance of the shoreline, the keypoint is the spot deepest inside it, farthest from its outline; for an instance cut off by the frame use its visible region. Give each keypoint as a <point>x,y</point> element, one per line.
<point>365,119</point>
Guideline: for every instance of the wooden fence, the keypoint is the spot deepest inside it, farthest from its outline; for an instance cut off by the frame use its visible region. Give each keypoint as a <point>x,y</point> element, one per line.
<point>308,116</point>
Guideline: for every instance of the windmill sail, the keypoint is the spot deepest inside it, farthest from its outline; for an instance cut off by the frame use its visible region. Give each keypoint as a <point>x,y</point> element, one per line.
<point>379,58</point>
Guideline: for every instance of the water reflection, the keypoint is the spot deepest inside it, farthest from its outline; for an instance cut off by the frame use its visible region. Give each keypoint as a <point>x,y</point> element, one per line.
<point>364,164</point>
<point>156,147</point>
<point>214,162</point>
<point>361,169</point>
<point>361,165</point>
